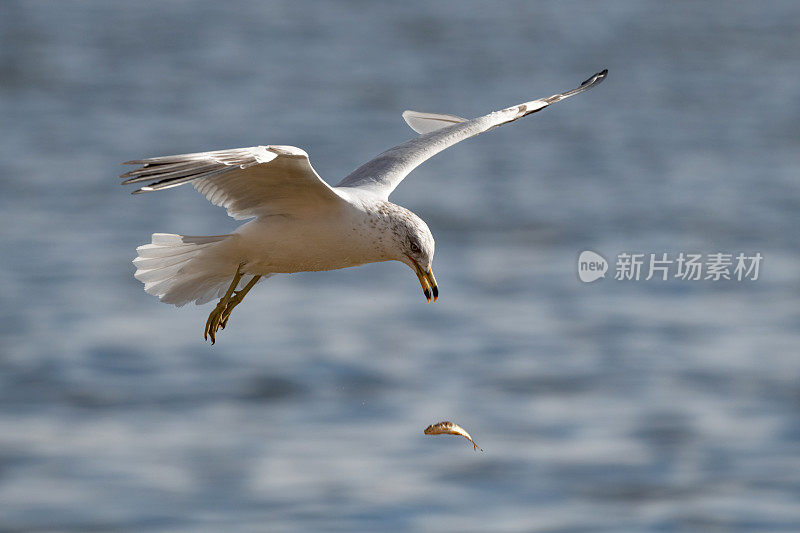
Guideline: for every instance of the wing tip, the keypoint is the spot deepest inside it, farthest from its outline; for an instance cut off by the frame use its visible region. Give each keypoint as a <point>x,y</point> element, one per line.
<point>127,179</point>
<point>596,78</point>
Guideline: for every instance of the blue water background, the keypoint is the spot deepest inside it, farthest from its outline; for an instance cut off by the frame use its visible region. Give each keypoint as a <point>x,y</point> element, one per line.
<point>612,406</point>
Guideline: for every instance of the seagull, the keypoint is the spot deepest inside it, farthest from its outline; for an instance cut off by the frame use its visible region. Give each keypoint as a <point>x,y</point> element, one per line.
<point>298,222</point>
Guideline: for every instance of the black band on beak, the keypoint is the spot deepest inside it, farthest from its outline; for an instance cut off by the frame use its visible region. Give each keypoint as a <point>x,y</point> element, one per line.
<point>427,280</point>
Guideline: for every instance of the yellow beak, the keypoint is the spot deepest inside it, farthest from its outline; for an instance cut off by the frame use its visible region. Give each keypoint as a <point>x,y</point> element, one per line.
<point>428,282</point>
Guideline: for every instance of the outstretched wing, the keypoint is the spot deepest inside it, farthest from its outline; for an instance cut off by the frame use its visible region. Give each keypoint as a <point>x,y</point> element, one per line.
<point>385,172</point>
<point>248,182</point>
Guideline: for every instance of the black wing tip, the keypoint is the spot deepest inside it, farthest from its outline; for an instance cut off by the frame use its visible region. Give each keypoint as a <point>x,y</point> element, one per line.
<point>128,179</point>
<point>596,78</point>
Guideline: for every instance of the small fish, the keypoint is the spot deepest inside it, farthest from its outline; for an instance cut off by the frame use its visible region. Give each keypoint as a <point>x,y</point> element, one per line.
<point>449,428</point>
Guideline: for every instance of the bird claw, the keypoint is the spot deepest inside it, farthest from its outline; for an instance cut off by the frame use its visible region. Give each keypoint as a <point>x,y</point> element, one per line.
<point>213,322</point>
<point>226,313</point>
<point>218,318</point>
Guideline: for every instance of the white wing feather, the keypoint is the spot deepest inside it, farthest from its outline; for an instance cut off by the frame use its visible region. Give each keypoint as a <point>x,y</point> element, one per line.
<point>427,122</point>
<point>382,174</point>
<point>248,182</point>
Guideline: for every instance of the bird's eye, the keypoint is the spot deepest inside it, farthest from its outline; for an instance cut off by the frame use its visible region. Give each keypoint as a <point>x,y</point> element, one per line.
<point>414,247</point>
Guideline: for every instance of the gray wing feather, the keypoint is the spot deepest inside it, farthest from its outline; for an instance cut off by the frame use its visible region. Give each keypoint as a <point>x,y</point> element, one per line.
<point>248,182</point>
<point>383,173</point>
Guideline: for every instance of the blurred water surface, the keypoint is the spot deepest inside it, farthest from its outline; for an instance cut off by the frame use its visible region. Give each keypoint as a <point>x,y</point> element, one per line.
<point>615,406</point>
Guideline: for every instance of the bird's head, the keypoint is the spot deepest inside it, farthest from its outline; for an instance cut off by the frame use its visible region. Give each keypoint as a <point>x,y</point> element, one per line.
<point>414,246</point>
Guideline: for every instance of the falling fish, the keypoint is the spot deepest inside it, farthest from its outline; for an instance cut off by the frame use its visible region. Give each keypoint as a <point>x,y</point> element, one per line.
<point>449,428</point>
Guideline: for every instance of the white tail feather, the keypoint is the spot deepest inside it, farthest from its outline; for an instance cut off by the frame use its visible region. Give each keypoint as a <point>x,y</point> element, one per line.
<point>180,269</point>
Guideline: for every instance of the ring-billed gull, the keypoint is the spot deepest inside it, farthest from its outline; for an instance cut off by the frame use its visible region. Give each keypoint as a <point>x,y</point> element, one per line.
<point>300,223</point>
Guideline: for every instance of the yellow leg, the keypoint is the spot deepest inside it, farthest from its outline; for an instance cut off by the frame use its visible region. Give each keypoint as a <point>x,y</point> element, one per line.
<point>212,324</point>
<point>238,296</point>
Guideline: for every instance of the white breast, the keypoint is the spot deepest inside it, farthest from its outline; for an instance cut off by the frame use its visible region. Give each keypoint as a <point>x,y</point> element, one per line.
<point>341,239</point>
